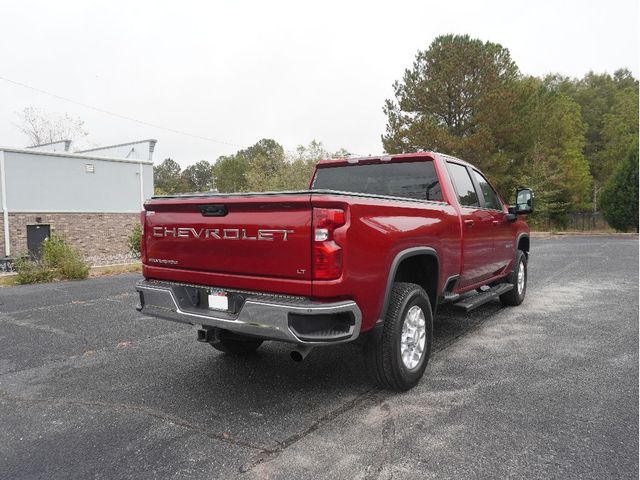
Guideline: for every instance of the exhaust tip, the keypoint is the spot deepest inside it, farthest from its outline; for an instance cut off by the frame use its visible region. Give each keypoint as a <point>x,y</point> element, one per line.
<point>300,353</point>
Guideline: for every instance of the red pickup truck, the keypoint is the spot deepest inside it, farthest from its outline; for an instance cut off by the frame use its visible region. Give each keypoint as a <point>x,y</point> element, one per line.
<point>366,254</point>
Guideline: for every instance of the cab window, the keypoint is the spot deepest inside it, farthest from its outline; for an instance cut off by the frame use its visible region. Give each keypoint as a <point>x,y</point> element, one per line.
<point>491,199</point>
<point>464,186</point>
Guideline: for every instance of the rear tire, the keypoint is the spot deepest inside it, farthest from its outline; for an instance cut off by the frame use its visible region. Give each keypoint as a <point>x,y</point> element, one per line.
<point>517,278</point>
<point>238,345</point>
<point>398,356</point>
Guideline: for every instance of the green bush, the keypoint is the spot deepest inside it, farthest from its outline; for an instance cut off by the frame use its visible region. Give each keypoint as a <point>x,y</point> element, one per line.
<point>63,259</point>
<point>59,261</point>
<point>133,242</point>
<point>620,195</point>
<point>31,272</point>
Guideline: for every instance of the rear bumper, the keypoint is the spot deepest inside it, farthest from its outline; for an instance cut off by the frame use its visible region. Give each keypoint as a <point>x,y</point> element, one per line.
<point>274,317</point>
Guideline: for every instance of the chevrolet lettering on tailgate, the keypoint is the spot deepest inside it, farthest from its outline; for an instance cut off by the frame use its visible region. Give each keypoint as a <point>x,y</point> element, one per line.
<point>223,233</point>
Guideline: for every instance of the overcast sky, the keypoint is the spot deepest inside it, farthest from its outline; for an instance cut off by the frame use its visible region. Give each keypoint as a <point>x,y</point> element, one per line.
<point>291,71</point>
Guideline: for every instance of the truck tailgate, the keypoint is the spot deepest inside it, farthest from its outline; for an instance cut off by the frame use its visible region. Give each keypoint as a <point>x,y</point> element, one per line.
<point>257,235</point>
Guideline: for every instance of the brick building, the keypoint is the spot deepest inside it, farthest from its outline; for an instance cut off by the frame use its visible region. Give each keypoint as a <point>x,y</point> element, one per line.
<point>93,197</point>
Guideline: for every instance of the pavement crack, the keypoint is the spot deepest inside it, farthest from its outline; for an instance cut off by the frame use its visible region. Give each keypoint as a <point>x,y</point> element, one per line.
<point>386,452</point>
<point>268,455</point>
<point>123,407</point>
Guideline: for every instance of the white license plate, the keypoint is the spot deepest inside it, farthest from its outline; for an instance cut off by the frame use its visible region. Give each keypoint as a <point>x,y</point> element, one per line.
<point>218,301</point>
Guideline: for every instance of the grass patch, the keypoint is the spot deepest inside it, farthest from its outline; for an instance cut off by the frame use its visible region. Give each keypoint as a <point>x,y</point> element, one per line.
<point>115,269</point>
<point>8,280</point>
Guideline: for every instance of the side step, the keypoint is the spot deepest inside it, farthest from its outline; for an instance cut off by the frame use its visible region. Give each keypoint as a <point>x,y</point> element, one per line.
<point>474,301</point>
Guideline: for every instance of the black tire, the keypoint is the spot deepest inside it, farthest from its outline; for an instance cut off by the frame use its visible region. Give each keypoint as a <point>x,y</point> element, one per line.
<point>514,297</point>
<point>383,352</point>
<point>238,345</point>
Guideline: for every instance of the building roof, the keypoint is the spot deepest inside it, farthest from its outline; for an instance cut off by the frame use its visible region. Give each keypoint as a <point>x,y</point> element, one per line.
<point>151,141</point>
<point>79,156</point>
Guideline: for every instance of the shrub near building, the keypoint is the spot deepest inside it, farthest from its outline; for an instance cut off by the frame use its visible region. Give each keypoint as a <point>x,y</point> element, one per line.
<point>133,241</point>
<point>60,261</point>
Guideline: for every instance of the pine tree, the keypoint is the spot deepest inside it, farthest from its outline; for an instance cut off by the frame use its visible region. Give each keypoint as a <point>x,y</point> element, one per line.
<point>620,196</point>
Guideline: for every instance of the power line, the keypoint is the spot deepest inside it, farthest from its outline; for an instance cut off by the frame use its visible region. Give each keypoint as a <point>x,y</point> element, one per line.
<point>113,114</point>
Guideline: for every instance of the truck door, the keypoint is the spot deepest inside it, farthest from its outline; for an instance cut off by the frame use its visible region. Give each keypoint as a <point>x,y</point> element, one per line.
<point>477,228</point>
<point>503,230</point>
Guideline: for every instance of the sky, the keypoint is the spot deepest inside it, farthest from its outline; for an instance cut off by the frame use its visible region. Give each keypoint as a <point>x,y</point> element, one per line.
<point>236,72</point>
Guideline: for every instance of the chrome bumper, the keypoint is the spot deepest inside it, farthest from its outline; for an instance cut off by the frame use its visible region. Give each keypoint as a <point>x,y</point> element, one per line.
<point>274,317</point>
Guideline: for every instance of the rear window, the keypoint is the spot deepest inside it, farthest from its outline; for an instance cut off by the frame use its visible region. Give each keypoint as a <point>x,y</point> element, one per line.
<point>400,179</point>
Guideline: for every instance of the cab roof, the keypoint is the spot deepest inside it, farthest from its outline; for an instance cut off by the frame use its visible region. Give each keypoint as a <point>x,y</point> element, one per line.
<point>335,162</point>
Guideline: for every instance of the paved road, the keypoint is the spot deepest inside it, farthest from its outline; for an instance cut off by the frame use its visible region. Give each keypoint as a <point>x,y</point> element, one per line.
<point>91,389</point>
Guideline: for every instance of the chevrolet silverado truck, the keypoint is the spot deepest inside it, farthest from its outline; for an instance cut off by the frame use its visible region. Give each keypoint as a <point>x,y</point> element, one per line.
<point>365,255</point>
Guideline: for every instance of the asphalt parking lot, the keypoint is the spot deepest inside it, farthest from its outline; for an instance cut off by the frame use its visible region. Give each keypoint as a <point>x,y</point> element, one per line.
<point>91,389</point>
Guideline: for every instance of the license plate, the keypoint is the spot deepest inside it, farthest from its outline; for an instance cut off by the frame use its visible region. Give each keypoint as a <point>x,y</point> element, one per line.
<point>218,300</point>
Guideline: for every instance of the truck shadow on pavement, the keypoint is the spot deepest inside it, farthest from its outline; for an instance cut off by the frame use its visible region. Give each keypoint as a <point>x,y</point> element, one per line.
<point>334,367</point>
<point>269,387</point>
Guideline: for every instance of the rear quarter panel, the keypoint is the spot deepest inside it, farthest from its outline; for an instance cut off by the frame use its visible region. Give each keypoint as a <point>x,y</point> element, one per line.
<point>377,230</point>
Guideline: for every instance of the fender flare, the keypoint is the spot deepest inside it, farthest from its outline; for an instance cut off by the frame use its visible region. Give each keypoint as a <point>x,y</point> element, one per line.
<point>519,237</point>
<point>403,255</point>
<point>515,249</point>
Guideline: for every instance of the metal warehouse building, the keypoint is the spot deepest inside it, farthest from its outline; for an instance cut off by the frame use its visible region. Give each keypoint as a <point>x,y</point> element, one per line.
<point>93,197</point>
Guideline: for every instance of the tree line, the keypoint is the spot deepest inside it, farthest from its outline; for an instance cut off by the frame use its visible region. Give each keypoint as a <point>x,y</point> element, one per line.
<point>264,166</point>
<point>564,137</point>
<point>567,138</point>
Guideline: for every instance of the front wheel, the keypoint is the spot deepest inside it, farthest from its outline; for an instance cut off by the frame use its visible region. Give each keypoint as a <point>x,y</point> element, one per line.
<point>398,356</point>
<point>518,278</point>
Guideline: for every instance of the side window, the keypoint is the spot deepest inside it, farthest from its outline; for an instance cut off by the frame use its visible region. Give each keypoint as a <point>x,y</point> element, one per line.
<point>491,200</point>
<point>464,186</point>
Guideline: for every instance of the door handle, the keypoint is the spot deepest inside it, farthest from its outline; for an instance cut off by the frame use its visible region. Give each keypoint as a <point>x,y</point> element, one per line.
<point>496,222</point>
<point>468,223</point>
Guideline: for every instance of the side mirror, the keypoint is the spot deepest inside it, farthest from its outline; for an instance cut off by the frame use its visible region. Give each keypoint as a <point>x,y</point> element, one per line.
<point>524,201</point>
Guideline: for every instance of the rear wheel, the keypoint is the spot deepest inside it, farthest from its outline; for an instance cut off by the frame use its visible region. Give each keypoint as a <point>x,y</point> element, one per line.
<point>518,278</point>
<point>398,356</point>
<point>236,344</point>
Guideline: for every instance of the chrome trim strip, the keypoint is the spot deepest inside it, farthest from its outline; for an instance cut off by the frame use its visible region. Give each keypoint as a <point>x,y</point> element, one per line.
<point>296,192</point>
<point>278,296</point>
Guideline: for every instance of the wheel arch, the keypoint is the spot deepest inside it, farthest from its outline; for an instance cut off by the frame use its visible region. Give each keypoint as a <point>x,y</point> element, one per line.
<point>522,243</point>
<point>418,265</point>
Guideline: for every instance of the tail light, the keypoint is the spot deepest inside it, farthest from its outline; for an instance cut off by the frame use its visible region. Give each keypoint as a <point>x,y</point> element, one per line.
<point>143,246</point>
<point>327,254</point>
